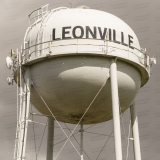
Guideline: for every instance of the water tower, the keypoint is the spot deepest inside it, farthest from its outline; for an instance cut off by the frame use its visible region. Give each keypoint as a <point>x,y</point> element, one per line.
<point>79,66</point>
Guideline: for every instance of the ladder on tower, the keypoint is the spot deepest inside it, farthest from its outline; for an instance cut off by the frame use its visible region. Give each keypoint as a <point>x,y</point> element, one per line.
<point>40,47</point>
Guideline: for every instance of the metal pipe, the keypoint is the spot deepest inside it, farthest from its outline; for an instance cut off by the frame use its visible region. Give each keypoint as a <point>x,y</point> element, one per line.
<point>81,140</point>
<point>50,139</point>
<point>50,51</point>
<point>115,109</point>
<point>135,132</point>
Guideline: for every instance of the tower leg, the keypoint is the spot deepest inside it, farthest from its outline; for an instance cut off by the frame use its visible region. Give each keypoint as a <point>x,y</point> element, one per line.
<point>82,140</point>
<point>115,109</point>
<point>24,116</point>
<point>50,139</point>
<point>135,132</point>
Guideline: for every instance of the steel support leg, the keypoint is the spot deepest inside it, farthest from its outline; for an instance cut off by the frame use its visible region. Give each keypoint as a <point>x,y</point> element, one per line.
<point>115,109</point>
<point>82,140</point>
<point>24,117</point>
<point>50,139</point>
<point>135,132</point>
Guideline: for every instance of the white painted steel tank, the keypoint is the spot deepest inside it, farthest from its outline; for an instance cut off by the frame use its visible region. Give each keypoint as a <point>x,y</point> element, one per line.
<point>69,52</point>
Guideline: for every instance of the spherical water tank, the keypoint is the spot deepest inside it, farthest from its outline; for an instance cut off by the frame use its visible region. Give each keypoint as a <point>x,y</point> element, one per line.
<point>69,52</point>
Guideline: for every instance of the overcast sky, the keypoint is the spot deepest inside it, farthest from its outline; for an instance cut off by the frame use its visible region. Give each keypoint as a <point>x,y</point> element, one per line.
<point>143,16</point>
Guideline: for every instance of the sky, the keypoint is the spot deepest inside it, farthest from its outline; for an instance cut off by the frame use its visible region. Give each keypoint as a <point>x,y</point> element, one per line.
<point>143,16</point>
